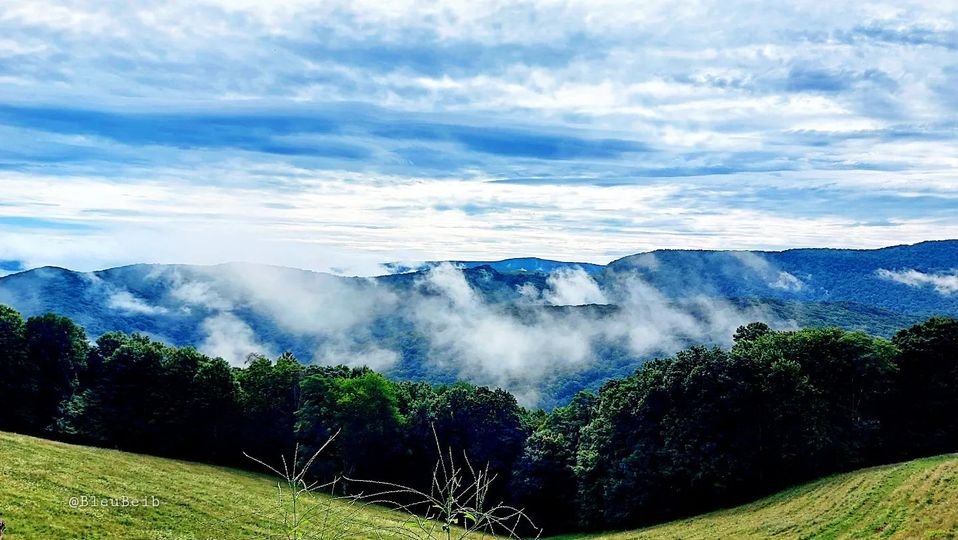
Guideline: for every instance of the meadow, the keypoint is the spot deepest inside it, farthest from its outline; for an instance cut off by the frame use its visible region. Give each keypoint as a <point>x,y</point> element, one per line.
<point>42,484</point>
<point>38,479</point>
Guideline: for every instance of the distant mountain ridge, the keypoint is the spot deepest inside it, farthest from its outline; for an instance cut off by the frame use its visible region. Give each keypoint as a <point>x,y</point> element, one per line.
<point>530,265</point>
<point>532,325</point>
<point>877,277</point>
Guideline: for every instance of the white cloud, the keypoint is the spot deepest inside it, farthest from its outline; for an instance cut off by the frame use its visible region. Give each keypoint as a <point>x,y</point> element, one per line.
<point>196,293</point>
<point>523,352</point>
<point>787,282</point>
<point>573,287</point>
<point>126,301</point>
<point>376,358</point>
<point>483,344</point>
<point>943,283</point>
<point>364,222</point>
<point>231,339</point>
<point>774,278</point>
<point>121,299</point>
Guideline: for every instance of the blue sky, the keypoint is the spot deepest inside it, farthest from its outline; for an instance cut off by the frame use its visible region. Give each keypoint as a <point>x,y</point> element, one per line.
<point>346,134</point>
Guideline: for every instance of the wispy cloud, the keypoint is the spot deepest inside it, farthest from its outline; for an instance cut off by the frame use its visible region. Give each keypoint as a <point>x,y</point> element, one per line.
<point>945,283</point>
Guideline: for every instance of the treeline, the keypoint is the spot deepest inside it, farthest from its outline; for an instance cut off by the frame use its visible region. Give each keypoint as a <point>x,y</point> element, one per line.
<point>703,429</point>
<point>134,393</point>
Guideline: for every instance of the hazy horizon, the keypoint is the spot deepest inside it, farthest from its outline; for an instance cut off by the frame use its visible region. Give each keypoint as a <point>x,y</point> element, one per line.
<point>9,267</point>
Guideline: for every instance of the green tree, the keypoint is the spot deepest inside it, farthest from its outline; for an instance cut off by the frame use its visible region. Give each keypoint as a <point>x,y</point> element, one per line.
<point>125,405</point>
<point>842,378</point>
<point>57,349</point>
<point>544,481</point>
<point>751,332</point>
<point>673,438</point>
<point>364,411</point>
<point>215,411</point>
<point>486,424</point>
<point>922,414</point>
<point>269,398</point>
<point>197,406</point>
<point>19,379</point>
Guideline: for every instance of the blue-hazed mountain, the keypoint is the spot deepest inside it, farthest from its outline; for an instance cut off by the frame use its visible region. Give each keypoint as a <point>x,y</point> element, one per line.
<point>544,329</point>
<point>913,279</point>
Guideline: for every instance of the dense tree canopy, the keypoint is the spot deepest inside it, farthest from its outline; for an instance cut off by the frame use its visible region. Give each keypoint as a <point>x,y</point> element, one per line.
<point>18,378</point>
<point>701,429</point>
<point>363,409</point>
<point>925,401</point>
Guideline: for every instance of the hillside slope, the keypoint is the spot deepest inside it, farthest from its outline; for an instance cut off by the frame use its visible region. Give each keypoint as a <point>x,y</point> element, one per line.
<point>910,279</point>
<point>915,499</point>
<point>38,478</point>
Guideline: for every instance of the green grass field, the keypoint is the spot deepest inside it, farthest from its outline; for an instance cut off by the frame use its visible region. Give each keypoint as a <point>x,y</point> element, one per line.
<point>917,499</point>
<point>38,478</point>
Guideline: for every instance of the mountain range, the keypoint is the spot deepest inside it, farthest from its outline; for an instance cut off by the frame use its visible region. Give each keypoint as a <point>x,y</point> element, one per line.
<point>543,329</point>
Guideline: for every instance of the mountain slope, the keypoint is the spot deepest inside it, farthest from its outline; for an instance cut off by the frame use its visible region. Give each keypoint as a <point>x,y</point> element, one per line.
<point>916,279</point>
<point>915,499</point>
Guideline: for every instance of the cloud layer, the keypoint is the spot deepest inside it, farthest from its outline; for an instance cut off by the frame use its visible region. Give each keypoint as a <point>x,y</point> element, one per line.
<point>346,134</point>
<point>525,348</point>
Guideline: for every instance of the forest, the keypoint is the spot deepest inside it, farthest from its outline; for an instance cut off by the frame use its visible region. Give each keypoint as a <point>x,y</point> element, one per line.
<point>701,429</point>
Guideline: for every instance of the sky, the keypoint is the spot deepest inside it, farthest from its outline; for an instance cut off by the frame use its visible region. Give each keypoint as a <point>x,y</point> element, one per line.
<point>340,135</point>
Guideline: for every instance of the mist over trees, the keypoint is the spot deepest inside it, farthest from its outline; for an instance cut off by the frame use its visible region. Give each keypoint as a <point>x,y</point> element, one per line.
<point>543,330</point>
<point>701,429</point>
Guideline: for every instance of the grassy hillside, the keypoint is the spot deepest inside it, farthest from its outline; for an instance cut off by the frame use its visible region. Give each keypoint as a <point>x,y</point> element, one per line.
<point>916,499</point>
<point>196,502</point>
